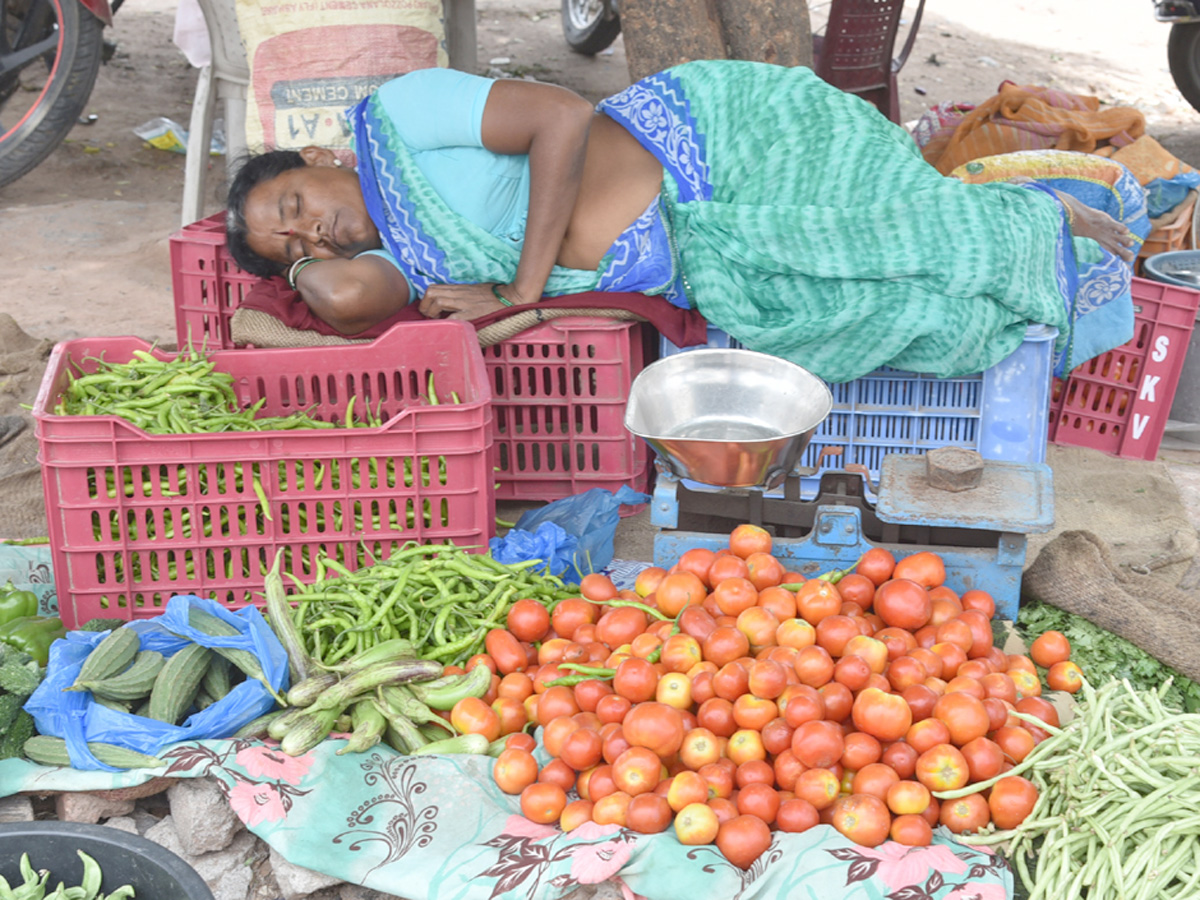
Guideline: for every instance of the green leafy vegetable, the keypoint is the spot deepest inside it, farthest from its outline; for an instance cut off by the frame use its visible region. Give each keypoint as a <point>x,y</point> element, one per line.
<point>1103,655</point>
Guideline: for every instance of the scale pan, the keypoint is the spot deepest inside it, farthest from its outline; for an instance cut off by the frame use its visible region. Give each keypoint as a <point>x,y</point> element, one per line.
<point>730,418</point>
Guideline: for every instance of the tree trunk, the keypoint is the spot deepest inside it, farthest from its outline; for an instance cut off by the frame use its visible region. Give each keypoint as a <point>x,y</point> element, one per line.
<point>662,33</point>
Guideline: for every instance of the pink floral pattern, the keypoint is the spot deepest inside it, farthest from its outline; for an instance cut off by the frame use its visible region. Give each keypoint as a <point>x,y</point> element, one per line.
<point>900,865</point>
<point>271,764</point>
<point>256,803</point>
<point>594,863</point>
<point>923,873</point>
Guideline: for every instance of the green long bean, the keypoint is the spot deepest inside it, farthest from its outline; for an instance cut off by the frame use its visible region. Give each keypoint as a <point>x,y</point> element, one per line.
<point>439,596</point>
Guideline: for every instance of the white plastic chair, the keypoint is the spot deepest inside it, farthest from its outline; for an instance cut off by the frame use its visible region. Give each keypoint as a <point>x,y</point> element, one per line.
<point>228,76</point>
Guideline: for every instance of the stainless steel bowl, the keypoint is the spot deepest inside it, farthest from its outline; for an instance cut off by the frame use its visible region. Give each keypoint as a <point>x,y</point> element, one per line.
<point>732,418</point>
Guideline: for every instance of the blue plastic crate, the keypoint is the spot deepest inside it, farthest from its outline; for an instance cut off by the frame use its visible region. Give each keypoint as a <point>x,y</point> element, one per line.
<point>1003,412</point>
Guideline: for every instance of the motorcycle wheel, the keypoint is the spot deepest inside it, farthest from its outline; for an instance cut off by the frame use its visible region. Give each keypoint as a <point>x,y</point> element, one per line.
<point>50,53</point>
<point>1183,58</point>
<point>588,25</point>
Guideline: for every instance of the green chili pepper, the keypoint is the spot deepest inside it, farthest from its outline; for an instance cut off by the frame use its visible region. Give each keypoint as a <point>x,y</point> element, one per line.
<point>33,635</point>
<point>16,604</point>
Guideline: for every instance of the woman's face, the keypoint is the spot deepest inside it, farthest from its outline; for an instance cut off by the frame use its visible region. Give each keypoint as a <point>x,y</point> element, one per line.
<point>313,210</point>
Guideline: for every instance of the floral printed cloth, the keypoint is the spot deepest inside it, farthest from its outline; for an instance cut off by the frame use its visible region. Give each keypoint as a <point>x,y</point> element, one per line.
<point>438,827</point>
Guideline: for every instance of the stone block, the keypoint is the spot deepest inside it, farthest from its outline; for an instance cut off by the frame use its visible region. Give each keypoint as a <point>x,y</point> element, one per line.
<point>234,884</point>
<point>16,809</point>
<point>296,882</point>
<point>88,808</point>
<point>123,823</point>
<point>203,817</point>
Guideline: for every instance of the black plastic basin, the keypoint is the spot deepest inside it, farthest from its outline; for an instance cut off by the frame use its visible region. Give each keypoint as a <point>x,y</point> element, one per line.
<point>154,872</point>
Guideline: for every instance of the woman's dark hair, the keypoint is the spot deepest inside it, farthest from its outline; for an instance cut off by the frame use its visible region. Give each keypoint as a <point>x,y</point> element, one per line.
<point>253,172</point>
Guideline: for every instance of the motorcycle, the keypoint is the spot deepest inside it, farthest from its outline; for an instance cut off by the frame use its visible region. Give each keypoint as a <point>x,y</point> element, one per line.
<point>590,25</point>
<point>50,53</point>
<point>1183,45</point>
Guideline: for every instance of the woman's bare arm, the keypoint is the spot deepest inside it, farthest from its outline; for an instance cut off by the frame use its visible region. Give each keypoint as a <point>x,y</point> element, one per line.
<point>352,294</point>
<point>550,124</point>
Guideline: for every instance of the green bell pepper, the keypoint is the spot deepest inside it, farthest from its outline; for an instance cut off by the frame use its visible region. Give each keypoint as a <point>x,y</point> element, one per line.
<point>16,604</point>
<point>33,635</point>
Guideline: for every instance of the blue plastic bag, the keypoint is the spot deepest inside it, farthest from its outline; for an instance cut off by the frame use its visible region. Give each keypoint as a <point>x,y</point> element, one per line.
<point>77,718</point>
<point>574,536</point>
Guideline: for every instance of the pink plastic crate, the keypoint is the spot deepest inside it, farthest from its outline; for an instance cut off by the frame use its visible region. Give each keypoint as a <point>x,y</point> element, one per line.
<point>558,404</point>
<point>207,284</point>
<point>1119,402</point>
<point>135,518</point>
<point>559,389</point>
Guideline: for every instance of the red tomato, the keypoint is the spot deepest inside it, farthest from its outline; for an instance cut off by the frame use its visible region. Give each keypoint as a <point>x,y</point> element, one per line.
<point>581,750</point>
<point>1065,676</point>
<point>528,620</point>
<point>965,716</point>
<point>901,757</point>
<point>942,768</point>
<point>637,771</point>
<point>925,568</point>
<point>817,599</point>
<point>903,604</point>
<point>636,679</point>
<point>543,803</point>
<point>569,614</point>
<point>984,758</point>
<point>862,818</point>
<point>881,715</point>
<point>765,571</point>
<point>969,813</point>
<point>1050,647</point>
<point>819,744</point>
<point>597,587</point>
<point>874,779</point>
<point>472,716</point>
<point>648,814</point>
<point>861,749</point>
<point>1011,800</point>
<point>980,600</point>
<point>503,647</point>
<point>514,770</point>
<point>743,839</point>
<point>876,564</point>
<point>679,590</point>
<point>911,830</point>
<point>746,539</point>
<point>696,561</point>
<point>656,726</point>
<point>796,815</point>
<point>820,787</point>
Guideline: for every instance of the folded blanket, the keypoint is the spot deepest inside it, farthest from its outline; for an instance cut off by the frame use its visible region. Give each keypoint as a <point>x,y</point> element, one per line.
<point>1030,117</point>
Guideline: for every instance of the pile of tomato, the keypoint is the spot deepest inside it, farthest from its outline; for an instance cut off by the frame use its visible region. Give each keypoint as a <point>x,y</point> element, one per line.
<point>728,696</point>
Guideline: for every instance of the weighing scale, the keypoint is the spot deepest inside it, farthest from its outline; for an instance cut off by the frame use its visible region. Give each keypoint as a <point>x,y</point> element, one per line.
<point>979,533</point>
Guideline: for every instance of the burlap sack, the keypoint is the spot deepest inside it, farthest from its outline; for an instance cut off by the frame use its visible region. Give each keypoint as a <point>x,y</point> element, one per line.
<point>1076,572</point>
<point>22,364</point>
<point>310,60</point>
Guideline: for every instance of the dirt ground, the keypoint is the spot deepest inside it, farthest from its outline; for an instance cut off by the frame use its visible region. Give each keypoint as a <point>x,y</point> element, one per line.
<point>85,235</point>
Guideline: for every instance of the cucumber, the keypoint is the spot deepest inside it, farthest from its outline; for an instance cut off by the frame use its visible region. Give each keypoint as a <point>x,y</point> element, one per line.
<point>177,683</point>
<point>134,683</point>
<point>52,751</point>
<point>108,658</point>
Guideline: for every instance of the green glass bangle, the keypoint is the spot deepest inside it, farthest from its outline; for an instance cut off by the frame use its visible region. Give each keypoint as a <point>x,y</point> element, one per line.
<point>499,296</point>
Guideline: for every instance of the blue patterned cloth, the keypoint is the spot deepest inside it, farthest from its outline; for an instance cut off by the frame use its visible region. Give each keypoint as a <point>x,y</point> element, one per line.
<point>1097,283</point>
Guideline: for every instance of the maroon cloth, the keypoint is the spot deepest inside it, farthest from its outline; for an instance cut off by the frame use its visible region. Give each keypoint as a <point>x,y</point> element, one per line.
<point>682,327</point>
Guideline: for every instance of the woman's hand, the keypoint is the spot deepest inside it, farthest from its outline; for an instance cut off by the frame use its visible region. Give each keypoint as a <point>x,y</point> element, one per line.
<point>465,301</point>
<point>1106,231</point>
